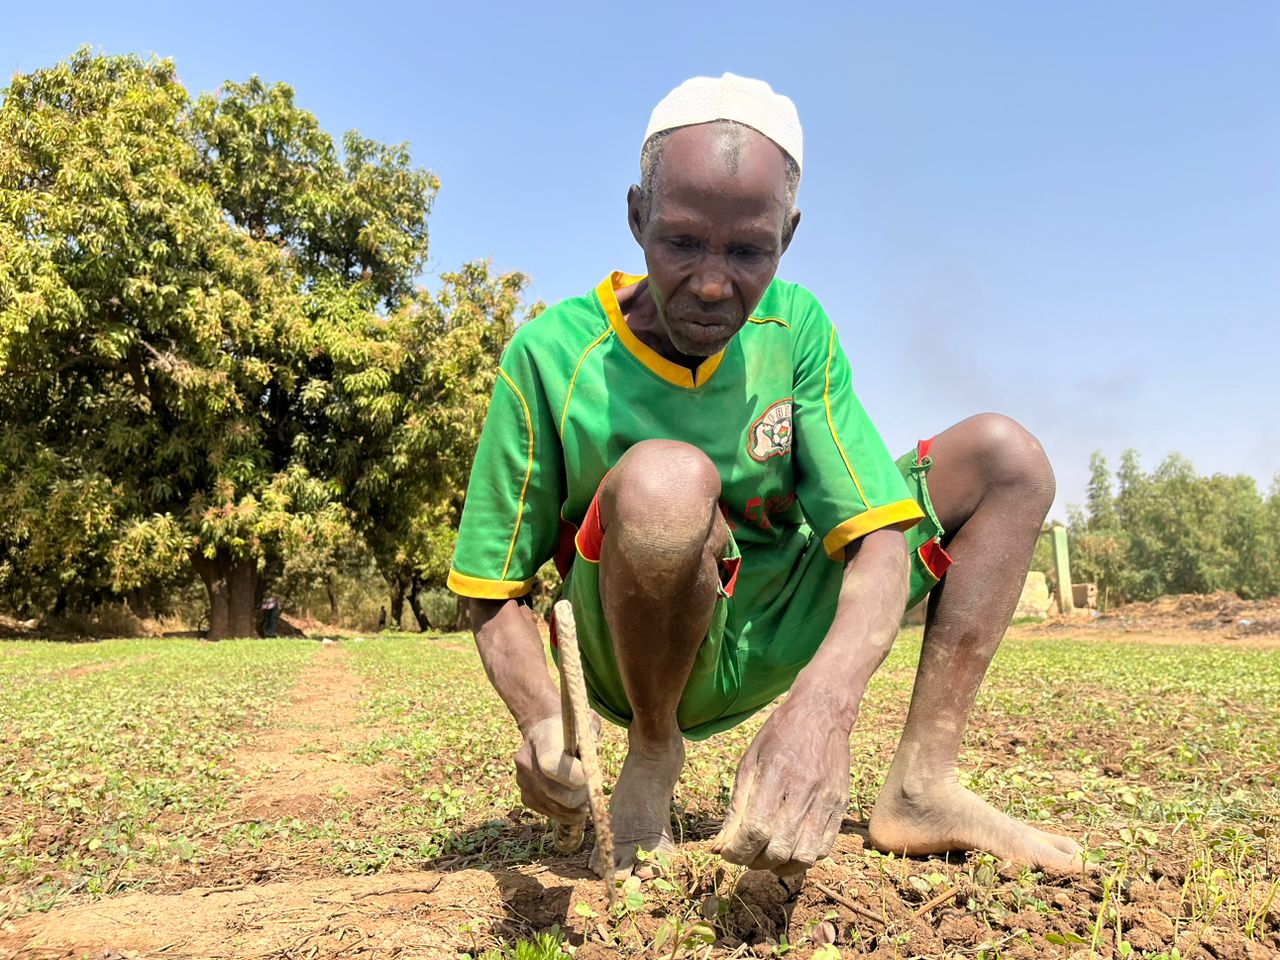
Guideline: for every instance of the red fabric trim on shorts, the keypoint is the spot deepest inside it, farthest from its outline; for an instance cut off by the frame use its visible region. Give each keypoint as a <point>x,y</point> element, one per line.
<point>551,626</point>
<point>730,566</point>
<point>935,558</point>
<point>590,536</point>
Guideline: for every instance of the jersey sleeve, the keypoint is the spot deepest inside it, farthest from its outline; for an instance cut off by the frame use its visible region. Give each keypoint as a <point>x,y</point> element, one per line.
<point>510,519</point>
<point>847,483</point>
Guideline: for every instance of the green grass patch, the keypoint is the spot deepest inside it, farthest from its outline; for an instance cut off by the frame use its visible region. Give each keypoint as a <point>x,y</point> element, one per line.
<point>106,771</point>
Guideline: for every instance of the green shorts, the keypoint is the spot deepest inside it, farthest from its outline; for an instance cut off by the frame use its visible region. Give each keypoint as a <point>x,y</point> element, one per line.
<point>742,665</point>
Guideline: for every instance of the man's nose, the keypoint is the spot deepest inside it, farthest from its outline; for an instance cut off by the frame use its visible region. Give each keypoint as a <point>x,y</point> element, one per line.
<point>712,283</point>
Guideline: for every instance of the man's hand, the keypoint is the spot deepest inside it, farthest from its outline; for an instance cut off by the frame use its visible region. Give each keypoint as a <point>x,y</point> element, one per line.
<point>551,781</point>
<point>792,790</point>
<point>793,784</point>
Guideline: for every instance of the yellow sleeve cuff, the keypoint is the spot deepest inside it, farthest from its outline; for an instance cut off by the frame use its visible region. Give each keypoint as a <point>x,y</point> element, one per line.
<point>902,515</point>
<point>481,589</point>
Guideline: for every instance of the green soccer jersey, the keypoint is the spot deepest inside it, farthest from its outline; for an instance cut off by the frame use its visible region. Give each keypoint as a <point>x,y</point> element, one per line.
<point>775,412</point>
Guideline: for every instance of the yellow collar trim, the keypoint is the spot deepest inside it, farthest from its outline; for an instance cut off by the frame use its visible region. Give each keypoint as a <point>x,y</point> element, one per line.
<point>673,373</point>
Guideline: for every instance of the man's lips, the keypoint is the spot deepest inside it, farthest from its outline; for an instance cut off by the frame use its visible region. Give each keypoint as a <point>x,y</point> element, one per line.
<point>706,329</point>
<point>708,320</point>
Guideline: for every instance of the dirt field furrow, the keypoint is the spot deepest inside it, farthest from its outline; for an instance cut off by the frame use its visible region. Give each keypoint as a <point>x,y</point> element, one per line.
<point>90,668</point>
<point>297,766</point>
<point>410,914</point>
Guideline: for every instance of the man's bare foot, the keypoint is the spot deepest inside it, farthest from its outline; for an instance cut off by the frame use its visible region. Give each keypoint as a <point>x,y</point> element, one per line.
<point>944,816</point>
<point>640,808</point>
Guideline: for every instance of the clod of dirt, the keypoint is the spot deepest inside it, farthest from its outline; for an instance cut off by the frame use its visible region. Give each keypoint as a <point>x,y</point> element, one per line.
<point>760,910</point>
<point>961,929</point>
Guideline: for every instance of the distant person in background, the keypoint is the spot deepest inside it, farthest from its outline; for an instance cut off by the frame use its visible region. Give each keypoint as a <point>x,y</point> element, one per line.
<point>689,446</point>
<point>270,616</point>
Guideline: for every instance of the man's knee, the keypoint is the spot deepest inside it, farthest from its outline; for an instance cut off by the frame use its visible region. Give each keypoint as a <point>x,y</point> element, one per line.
<point>661,499</point>
<point>1012,460</point>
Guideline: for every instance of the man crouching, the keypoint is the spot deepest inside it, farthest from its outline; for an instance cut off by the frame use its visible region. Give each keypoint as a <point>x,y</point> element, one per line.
<point>731,527</point>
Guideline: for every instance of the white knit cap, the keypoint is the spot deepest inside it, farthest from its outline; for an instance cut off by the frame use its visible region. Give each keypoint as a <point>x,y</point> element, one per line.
<point>747,101</point>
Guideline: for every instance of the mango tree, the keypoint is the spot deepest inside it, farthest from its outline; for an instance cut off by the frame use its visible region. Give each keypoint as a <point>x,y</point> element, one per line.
<point>179,282</point>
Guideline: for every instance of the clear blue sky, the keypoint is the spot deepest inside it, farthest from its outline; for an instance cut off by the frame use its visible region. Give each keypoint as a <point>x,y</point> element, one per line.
<point>1067,213</point>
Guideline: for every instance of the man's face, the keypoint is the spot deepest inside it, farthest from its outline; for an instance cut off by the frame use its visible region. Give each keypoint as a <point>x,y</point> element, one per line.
<point>716,225</point>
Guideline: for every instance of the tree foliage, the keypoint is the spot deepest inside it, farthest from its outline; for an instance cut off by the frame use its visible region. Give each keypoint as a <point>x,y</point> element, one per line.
<point>1173,531</point>
<point>419,421</point>
<point>212,350</point>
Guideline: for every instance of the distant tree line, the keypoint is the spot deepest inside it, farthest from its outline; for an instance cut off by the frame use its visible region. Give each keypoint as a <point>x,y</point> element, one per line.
<point>214,360</point>
<point>1172,531</point>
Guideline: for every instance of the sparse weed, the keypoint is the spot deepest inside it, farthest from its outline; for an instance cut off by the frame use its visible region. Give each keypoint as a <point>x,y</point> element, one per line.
<point>543,946</point>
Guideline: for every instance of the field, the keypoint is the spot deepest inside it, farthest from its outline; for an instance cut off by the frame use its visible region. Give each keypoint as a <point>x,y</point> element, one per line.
<point>296,799</point>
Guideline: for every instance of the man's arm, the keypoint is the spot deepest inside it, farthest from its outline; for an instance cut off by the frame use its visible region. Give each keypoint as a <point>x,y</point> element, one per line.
<point>551,781</point>
<point>793,783</point>
<point>512,654</point>
<point>873,595</point>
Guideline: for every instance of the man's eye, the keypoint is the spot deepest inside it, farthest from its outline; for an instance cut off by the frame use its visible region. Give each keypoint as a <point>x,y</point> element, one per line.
<point>744,253</point>
<point>683,243</point>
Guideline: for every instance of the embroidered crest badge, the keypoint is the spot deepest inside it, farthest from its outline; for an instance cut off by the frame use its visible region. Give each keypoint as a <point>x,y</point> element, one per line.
<point>770,435</point>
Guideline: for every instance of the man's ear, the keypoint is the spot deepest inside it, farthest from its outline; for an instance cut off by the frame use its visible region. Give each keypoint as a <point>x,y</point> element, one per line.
<point>636,213</point>
<point>789,228</point>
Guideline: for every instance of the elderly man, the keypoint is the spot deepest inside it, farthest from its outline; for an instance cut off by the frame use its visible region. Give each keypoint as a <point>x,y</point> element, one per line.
<point>731,526</point>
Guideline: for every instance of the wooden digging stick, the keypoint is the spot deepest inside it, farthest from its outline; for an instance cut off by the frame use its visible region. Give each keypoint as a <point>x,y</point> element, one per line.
<point>568,834</point>
<point>580,741</point>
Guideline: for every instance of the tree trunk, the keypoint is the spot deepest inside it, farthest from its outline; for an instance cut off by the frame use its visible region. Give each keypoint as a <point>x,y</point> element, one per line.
<point>397,602</point>
<point>331,589</point>
<point>232,585</point>
<point>140,601</point>
<point>464,615</point>
<point>418,613</point>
